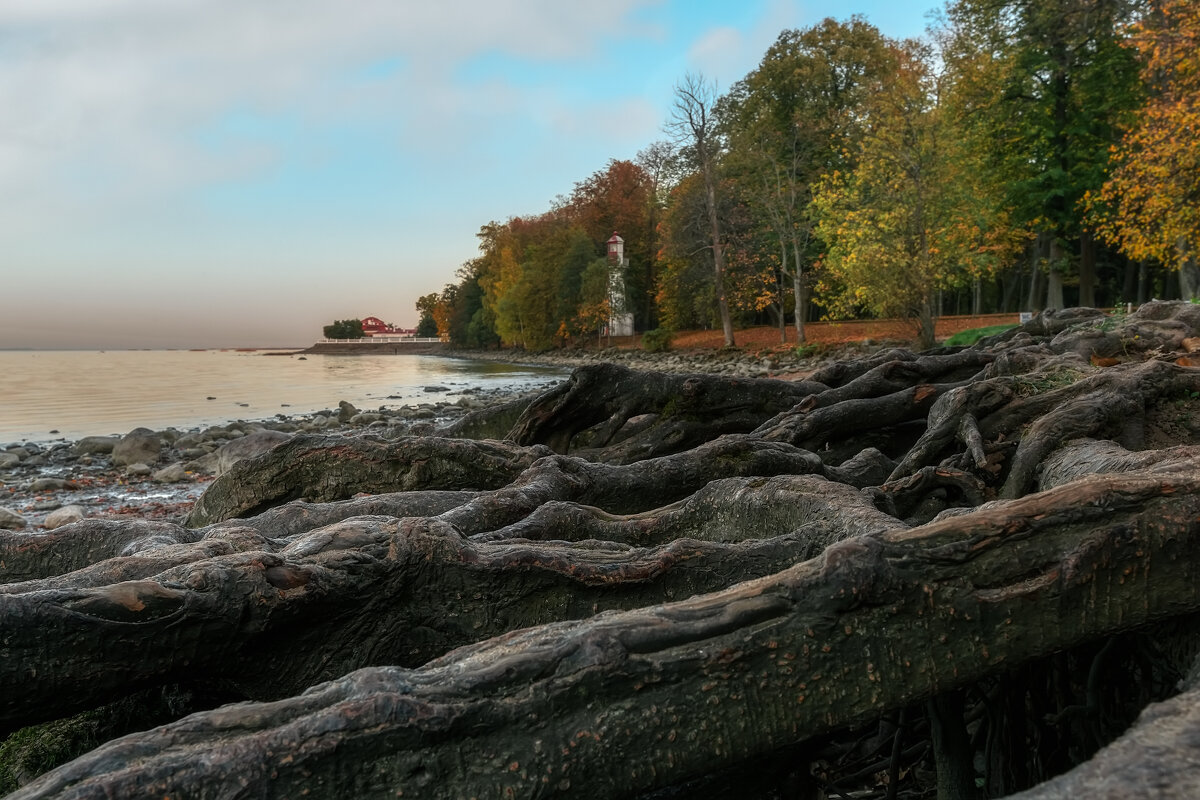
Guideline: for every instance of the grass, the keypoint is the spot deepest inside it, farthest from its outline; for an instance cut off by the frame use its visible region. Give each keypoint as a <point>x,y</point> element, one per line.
<point>969,337</point>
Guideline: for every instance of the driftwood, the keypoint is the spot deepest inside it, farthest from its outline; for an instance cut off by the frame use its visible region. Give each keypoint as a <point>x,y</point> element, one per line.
<point>962,569</point>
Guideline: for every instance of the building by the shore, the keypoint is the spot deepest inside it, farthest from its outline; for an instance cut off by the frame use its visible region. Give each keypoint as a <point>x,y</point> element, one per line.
<point>374,326</point>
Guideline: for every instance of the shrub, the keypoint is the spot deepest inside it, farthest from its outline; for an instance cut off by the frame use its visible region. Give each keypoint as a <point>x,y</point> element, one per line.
<point>657,340</point>
<point>970,337</point>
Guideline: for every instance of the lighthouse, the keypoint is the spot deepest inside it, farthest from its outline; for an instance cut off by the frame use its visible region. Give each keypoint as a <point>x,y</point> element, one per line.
<point>620,321</point>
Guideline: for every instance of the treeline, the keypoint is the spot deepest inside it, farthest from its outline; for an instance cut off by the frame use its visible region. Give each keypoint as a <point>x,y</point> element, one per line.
<point>1028,155</point>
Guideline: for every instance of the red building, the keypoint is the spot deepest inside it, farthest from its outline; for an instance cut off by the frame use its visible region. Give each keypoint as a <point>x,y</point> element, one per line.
<point>374,326</point>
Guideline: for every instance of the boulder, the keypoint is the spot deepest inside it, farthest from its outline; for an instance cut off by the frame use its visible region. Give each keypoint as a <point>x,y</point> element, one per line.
<point>63,516</point>
<point>9,460</point>
<point>11,520</point>
<point>248,446</point>
<point>138,470</point>
<point>139,446</point>
<point>345,411</point>
<point>94,445</point>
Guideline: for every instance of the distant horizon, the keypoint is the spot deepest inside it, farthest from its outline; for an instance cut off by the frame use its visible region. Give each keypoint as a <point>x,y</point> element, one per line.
<point>206,174</point>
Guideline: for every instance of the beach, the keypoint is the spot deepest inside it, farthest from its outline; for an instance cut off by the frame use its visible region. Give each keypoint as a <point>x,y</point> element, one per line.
<point>64,479</point>
<point>44,473</point>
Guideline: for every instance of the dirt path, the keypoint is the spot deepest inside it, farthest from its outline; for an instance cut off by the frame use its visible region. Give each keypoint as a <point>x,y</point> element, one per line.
<point>767,337</point>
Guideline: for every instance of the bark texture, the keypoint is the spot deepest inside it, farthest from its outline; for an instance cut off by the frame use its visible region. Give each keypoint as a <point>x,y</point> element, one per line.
<point>960,568</point>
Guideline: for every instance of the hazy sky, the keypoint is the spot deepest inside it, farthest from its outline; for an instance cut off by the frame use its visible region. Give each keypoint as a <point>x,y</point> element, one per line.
<point>205,173</point>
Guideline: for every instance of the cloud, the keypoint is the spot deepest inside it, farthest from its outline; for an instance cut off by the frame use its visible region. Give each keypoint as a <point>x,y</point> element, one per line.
<point>101,101</point>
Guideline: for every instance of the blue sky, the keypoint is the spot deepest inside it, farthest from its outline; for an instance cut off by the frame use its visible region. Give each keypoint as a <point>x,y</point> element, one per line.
<point>215,173</point>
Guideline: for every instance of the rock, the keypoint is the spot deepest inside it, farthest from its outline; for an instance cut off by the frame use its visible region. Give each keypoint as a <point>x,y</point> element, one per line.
<point>175,473</point>
<point>138,470</point>
<point>93,445</point>
<point>346,411</point>
<point>9,460</point>
<point>365,418</point>
<point>436,389</point>
<point>47,485</point>
<point>246,447</point>
<point>20,452</point>
<point>11,520</point>
<point>63,516</point>
<point>139,446</point>
<point>189,440</point>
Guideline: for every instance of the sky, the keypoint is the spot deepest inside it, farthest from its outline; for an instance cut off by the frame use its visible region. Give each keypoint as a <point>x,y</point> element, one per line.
<point>238,173</point>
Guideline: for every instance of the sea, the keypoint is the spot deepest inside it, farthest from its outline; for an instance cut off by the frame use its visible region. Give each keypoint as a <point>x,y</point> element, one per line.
<point>48,395</point>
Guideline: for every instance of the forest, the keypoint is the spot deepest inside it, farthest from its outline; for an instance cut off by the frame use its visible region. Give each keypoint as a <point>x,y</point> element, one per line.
<point>1023,156</point>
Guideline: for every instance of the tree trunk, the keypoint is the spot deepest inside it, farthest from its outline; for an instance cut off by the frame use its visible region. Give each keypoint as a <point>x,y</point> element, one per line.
<point>1189,273</point>
<point>1087,269</point>
<point>798,289</point>
<point>1054,277</point>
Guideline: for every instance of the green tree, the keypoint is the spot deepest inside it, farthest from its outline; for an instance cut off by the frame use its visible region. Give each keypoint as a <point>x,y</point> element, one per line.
<point>1040,88</point>
<point>427,306</point>
<point>344,329</point>
<point>910,219</point>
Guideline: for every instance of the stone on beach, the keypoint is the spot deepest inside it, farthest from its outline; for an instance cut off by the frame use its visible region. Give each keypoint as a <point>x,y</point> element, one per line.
<point>95,445</point>
<point>11,520</point>
<point>9,460</point>
<point>63,516</point>
<point>173,473</point>
<point>346,411</point>
<point>139,446</point>
<point>47,485</point>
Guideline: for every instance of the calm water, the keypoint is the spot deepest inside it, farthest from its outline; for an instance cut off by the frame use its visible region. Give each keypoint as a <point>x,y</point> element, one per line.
<point>83,393</point>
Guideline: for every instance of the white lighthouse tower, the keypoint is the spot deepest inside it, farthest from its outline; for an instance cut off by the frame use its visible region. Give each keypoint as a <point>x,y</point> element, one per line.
<point>620,321</point>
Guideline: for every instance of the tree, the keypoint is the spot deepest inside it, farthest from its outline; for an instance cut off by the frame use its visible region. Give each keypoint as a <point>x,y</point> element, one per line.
<point>595,303</point>
<point>1150,205</point>
<point>344,329</point>
<point>1040,90</point>
<point>686,294</point>
<point>911,218</point>
<point>795,119</point>
<point>427,325</point>
<point>619,198</point>
<point>693,123</point>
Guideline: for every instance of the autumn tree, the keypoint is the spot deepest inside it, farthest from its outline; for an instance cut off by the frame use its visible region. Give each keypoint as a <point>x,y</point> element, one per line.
<point>693,123</point>
<point>794,119</point>
<point>910,219</point>
<point>619,198</point>
<point>1150,205</point>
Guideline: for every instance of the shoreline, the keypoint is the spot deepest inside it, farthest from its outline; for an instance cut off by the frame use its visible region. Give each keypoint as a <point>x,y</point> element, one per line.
<point>102,477</point>
<point>40,478</point>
